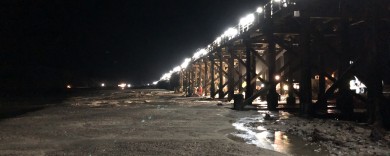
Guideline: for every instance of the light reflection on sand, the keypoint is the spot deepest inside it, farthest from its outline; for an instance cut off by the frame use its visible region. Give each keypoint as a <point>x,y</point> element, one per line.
<point>250,129</point>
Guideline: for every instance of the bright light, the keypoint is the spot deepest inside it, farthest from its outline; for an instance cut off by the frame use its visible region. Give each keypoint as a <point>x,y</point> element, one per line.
<point>277,77</point>
<point>218,40</point>
<point>148,84</point>
<point>296,85</point>
<point>243,85</point>
<point>166,76</point>
<point>128,85</point>
<point>102,85</point>
<point>230,33</point>
<point>155,82</point>
<point>177,69</point>
<point>277,1</point>
<point>285,87</point>
<point>247,20</point>
<point>260,10</point>
<point>262,85</point>
<point>200,53</point>
<point>122,85</point>
<point>69,86</point>
<point>357,85</point>
<point>185,63</point>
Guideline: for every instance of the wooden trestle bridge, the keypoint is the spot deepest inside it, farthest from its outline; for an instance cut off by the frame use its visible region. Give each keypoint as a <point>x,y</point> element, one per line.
<point>307,50</point>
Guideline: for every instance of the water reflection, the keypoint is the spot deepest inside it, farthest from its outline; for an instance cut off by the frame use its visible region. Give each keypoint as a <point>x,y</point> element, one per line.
<point>252,131</point>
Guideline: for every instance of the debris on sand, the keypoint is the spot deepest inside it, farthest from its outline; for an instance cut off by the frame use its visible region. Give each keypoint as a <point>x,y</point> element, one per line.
<point>267,117</point>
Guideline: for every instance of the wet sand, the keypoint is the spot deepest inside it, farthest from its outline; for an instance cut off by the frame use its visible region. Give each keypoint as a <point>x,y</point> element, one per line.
<point>142,122</point>
<point>330,137</point>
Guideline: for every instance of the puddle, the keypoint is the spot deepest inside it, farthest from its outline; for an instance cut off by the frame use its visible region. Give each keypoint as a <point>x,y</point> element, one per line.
<point>251,131</point>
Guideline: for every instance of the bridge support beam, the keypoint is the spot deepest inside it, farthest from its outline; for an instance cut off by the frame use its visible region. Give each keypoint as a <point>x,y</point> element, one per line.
<point>345,100</point>
<point>291,100</point>
<point>231,69</point>
<point>220,74</point>
<point>212,74</point>
<point>206,77</point>
<point>200,73</point>
<point>322,105</point>
<point>272,96</point>
<point>305,81</point>
<point>249,89</point>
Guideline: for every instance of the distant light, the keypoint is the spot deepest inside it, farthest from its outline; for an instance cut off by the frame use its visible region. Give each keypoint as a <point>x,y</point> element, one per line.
<point>277,1</point>
<point>230,33</point>
<point>296,85</point>
<point>128,85</point>
<point>177,69</point>
<point>243,85</point>
<point>199,53</point>
<point>166,76</point>
<point>260,10</point>
<point>148,84</point>
<point>122,85</point>
<point>277,77</point>
<point>297,14</point>
<point>102,85</point>
<point>69,86</point>
<point>185,63</point>
<point>218,40</point>
<point>155,82</point>
<point>247,20</point>
<point>285,87</point>
<point>262,85</point>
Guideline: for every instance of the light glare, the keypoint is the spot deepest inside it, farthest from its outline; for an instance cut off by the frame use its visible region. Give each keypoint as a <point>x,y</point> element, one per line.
<point>199,53</point>
<point>122,85</point>
<point>260,10</point>
<point>285,87</point>
<point>185,63</point>
<point>177,69</point>
<point>231,32</point>
<point>277,77</point>
<point>247,20</point>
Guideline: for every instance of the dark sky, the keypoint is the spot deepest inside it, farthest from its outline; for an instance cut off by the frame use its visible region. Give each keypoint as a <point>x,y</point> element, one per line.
<point>135,41</point>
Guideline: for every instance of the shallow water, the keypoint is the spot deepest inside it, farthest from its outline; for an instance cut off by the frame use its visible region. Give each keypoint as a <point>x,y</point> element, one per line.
<point>251,131</point>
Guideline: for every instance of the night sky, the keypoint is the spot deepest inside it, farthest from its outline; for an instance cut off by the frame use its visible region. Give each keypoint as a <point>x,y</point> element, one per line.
<point>116,40</point>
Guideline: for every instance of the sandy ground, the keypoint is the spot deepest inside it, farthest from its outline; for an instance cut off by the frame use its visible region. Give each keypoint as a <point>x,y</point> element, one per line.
<point>126,123</point>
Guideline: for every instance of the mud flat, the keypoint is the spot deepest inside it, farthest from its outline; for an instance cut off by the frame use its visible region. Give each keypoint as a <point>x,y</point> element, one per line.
<point>126,122</point>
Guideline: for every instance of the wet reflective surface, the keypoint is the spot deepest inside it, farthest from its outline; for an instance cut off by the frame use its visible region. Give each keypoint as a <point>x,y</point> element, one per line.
<point>254,130</point>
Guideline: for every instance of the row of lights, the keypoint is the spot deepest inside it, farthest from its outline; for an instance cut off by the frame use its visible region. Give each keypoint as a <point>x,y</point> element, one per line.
<point>229,34</point>
<point>121,85</point>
